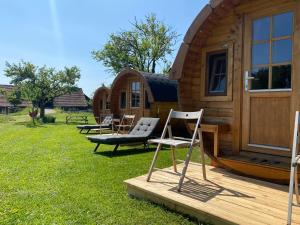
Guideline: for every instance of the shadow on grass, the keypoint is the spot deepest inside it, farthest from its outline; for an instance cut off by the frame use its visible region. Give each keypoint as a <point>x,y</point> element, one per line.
<point>124,152</point>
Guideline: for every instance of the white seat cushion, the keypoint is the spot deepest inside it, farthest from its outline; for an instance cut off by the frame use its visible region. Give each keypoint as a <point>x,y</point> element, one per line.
<point>171,142</point>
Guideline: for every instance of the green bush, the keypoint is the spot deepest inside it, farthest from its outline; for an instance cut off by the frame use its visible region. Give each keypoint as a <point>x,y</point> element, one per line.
<point>49,119</point>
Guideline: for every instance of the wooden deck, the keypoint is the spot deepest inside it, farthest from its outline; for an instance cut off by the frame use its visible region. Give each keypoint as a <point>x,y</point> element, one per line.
<point>225,198</point>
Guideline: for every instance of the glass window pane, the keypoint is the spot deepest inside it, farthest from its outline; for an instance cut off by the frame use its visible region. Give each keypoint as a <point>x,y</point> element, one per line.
<point>260,54</point>
<point>147,103</point>
<point>123,100</point>
<point>283,25</point>
<point>261,78</point>
<point>281,77</point>
<point>282,51</point>
<point>217,73</point>
<point>261,29</point>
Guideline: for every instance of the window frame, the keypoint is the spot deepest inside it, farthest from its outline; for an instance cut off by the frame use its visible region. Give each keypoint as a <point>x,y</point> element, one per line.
<point>270,43</point>
<point>227,96</point>
<point>139,92</point>
<point>207,75</point>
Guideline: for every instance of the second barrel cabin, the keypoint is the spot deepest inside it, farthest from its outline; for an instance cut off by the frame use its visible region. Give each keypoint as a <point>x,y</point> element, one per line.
<point>143,94</point>
<point>101,102</point>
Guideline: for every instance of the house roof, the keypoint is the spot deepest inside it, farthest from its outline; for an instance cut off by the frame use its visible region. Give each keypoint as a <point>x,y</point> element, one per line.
<point>4,102</point>
<point>73,99</point>
<point>159,87</point>
<point>163,89</point>
<point>200,28</point>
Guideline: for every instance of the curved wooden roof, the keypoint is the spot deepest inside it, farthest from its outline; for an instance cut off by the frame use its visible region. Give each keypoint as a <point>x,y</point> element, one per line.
<point>159,87</point>
<point>98,92</point>
<point>200,29</point>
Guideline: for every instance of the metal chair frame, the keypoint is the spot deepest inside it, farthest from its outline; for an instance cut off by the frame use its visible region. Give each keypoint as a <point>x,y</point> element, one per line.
<point>294,169</point>
<point>174,142</point>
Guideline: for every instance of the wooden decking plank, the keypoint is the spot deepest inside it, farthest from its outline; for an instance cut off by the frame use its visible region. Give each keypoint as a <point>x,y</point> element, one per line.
<point>207,210</point>
<point>256,202</point>
<point>255,211</point>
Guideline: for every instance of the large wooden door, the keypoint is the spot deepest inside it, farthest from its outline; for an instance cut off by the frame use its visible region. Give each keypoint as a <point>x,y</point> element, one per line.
<point>268,44</point>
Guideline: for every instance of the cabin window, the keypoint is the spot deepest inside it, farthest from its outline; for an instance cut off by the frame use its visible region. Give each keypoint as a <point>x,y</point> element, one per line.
<point>135,94</point>
<point>147,103</point>
<point>107,103</point>
<point>272,44</point>
<point>216,75</point>
<point>123,100</point>
<point>101,104</point>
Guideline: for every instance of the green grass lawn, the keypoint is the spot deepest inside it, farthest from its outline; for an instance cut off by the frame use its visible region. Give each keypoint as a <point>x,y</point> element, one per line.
<point>50,175</point>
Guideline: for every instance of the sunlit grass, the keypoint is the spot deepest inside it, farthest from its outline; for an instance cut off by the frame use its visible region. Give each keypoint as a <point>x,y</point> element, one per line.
<point>50,175</point>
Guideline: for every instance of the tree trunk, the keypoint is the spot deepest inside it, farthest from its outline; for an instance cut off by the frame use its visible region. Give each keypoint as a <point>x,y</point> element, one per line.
<point>153,66</point>
<point>42,112</point>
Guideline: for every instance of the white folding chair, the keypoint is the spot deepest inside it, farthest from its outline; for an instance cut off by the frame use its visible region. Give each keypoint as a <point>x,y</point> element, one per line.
<point>175,142</point>
<point>294,170</point>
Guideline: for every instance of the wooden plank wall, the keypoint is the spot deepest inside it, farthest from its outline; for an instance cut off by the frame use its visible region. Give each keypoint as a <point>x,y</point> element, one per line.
<point>189,86</point>
<point>226,29</point>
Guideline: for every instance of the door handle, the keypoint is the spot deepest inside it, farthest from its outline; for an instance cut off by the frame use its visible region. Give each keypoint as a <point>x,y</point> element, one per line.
<point>247,78</point>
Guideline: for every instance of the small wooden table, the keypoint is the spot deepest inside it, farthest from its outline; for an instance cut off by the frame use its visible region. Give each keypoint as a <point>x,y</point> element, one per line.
<point>77,118</point>
<point>215,129</point>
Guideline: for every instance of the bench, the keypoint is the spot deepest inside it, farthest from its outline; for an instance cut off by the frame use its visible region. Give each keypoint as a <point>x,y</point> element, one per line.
<point>216,129</point>
<point>76,118</point>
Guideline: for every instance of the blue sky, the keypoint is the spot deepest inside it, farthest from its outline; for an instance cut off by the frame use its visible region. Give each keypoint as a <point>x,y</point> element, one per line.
<point>62,33</point>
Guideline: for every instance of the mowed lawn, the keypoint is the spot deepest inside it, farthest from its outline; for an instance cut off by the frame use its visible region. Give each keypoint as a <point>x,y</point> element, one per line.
<point>50,175</point>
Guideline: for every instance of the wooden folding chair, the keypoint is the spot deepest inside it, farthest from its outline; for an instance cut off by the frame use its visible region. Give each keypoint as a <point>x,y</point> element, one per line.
<point>294,170</point>
<point>175,142</point>
<point>126,124</point>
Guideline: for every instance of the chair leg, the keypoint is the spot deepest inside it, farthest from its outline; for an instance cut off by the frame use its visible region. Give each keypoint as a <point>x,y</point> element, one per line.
<point>116,148</point>
<point>291,193</point>
<point>186,164</point>
<point>153,162</point>
<point>174,159</point>
<point>202,156</point>
<point>97,146</point>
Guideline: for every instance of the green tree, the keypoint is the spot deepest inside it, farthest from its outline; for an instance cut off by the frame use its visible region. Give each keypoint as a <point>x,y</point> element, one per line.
<point>41,85</point>
<point>14,97</point>
<point>147,44</point>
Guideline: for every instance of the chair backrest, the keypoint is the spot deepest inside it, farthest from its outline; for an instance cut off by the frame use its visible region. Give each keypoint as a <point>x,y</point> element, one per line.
<point>128,117</point>
<point>126,120</point>
<point>296,135</point>
<point>107,120</point>
<point>145,127</point>
<point>184,116</point>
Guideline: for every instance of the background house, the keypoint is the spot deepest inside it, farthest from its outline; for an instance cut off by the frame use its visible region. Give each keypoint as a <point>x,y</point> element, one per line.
<point>5,106</point>
<point>73,101</point>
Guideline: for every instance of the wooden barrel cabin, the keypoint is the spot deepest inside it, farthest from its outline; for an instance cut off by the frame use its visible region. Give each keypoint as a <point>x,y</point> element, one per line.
<point>240,62</point>
<point>101,102</point>
<point>143,94</point>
